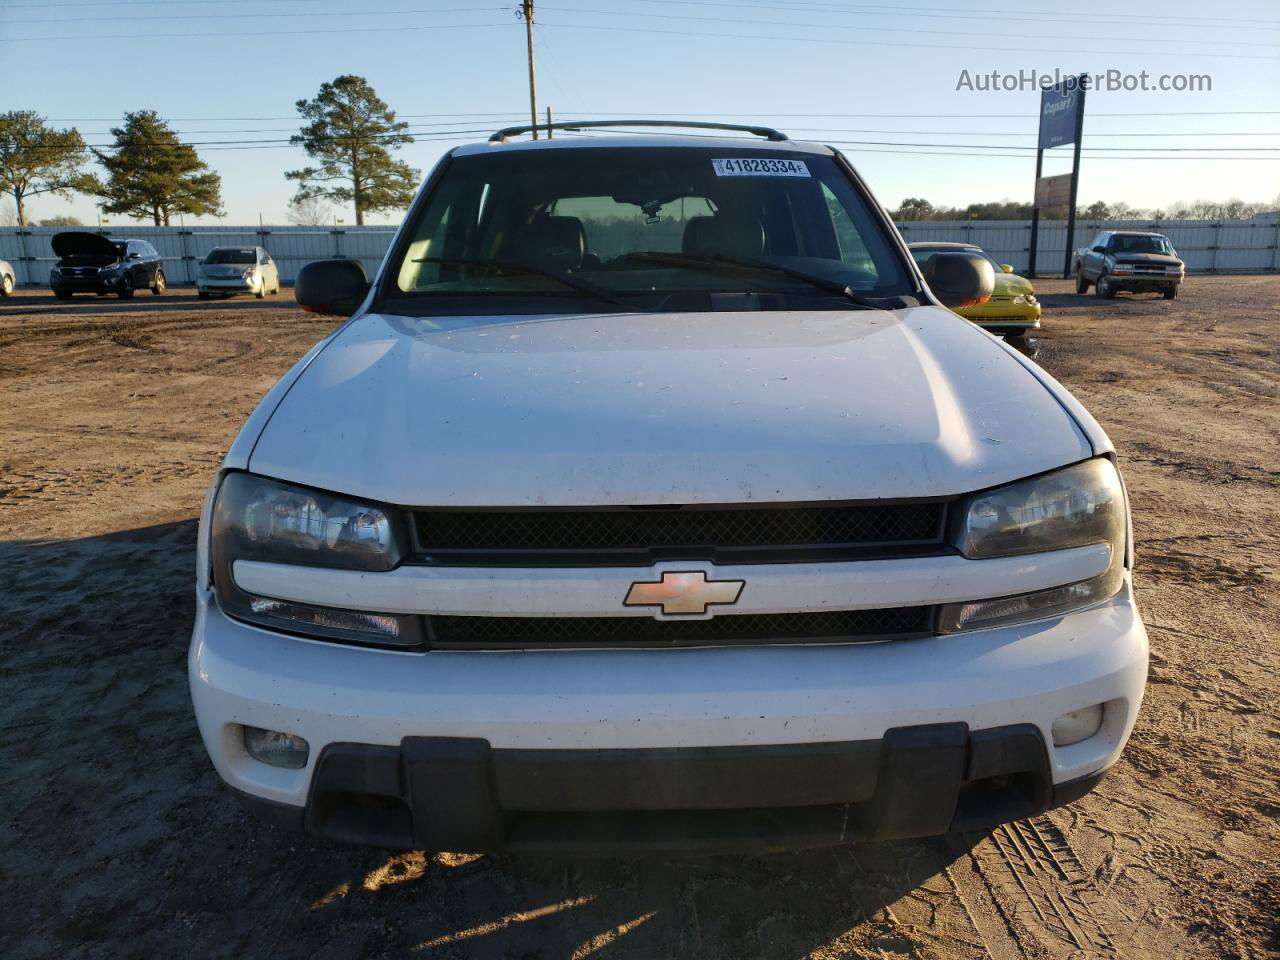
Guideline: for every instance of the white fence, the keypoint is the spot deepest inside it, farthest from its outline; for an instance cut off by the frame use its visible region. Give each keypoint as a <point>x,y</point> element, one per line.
<point>184,247</point>
<point>1206,246</point>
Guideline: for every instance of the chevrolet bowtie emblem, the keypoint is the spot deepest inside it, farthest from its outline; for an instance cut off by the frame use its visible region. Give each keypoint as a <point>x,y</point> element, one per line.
<point>684,592</point>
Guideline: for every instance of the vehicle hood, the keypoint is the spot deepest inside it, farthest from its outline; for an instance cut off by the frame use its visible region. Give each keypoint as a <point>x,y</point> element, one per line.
<point>1162,259</point>
<point>1009,285</point>
<point>79,243</point>
<point>665,408</point>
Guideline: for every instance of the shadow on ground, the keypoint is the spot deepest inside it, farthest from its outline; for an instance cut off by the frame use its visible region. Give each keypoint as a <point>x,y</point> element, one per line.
<point>173,299</point>
<point>119,840</point>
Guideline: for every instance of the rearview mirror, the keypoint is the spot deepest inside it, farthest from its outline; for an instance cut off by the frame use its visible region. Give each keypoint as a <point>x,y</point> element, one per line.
<point>960,279</point>
<point>333,287</point>
<point>1099,249</point>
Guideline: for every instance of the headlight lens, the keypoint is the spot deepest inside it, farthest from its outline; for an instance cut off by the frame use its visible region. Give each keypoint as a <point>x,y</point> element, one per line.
<point>256,518</point>
<point>1075,507</point>
<point>1068,508</point>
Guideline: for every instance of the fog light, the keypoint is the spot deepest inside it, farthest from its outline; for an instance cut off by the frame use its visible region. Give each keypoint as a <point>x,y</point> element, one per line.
<point>278,749</point>
<point>1077,725</point>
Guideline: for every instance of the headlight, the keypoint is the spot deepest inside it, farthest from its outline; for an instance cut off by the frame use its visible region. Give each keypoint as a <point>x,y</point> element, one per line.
<point>255,518</point>
<point>1020,299</point>
<point>1074,507</point>
<point>1031,298</point>
<point>250,273</point>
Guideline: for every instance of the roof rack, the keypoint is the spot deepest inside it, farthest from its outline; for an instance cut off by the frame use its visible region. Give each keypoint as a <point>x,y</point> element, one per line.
<point>767,132</point>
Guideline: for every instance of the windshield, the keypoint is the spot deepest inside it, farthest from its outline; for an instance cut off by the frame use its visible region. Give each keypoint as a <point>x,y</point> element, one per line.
<point>1140,244</point>
<point>230,256</point>
<point>635,228</point>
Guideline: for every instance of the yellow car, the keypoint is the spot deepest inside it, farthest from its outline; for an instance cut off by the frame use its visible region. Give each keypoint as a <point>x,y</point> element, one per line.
<point>1013,310</point>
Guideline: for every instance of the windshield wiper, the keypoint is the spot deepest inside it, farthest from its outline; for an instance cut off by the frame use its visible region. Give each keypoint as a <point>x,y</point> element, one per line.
<point>583,286</point>
<point>813,279</point>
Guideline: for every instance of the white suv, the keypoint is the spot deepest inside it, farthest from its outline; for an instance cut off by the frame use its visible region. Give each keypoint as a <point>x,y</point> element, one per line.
<point>653,498</point>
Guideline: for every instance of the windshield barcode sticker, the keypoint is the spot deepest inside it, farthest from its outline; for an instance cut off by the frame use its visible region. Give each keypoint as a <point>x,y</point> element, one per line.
<point>759,167</point>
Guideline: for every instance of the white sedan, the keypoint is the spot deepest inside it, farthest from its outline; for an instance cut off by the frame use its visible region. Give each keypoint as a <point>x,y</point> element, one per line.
<point>231,270</point>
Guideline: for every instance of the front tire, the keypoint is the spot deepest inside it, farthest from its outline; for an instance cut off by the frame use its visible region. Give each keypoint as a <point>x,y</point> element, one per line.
<point>1171,293</point>
<point>1082,285</point>
<point>262,289</point>
<point>62,294</point>
<point>1104,289</point>
<point>125,290</point>
<point>157,286</point>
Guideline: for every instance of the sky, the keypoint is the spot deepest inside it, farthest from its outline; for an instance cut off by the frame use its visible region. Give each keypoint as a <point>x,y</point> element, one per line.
<point>895,87</point>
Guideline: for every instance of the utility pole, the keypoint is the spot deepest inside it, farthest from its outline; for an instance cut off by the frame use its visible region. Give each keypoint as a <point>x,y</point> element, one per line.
<point>526,11</point>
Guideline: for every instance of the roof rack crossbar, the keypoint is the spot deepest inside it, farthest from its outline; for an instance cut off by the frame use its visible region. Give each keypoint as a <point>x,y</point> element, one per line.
<point>767,132</point>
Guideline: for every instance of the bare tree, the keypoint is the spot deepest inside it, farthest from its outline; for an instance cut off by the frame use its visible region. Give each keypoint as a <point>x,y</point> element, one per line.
<point>310,212</point>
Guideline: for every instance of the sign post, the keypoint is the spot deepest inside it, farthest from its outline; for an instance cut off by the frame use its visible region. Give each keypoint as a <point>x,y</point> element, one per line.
<point>1061,122</point>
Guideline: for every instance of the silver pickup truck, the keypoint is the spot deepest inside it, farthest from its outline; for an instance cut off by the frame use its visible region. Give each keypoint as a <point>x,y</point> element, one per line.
<point>1128,260</point>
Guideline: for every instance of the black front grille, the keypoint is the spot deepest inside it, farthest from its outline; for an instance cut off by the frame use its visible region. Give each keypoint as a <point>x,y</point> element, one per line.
<point>833,626</point>
<point>642,535</point>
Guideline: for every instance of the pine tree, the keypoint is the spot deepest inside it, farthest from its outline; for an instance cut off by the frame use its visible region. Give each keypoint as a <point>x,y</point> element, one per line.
<point>151,174</point>
<point>350,133</point>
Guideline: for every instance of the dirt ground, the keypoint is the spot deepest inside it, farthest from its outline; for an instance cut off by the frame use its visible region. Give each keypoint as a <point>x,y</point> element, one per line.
<point>117,840</point>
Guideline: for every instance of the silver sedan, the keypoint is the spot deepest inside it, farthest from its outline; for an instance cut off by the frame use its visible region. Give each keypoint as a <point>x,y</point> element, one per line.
<point>230,270</point>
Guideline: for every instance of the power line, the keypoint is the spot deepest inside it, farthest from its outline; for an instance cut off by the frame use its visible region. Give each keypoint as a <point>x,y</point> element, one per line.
<point>877,43</point>
<point>861,28</point>
<point>259,16</point>
<point>661,16</point>
<point>566,115</point>
<point>259,36</point>
<point>947,13</point>
<point>658,114</point>
<point>859,9</point>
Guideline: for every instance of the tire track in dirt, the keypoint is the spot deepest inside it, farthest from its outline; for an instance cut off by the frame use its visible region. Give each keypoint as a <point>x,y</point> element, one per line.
<point>1043,893</point>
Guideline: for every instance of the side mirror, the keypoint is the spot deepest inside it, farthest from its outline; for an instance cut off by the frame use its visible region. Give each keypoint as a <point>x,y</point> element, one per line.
<point>960,279</point>
<point>1099,249</point>
<point>134,256</point>
<point>333,287</point>
<point>1007,267</point>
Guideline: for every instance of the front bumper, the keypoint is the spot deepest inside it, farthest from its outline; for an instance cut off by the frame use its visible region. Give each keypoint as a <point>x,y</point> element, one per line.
<point>442,793</point>
<point>1002,315</point>
<point>226,285</point>
<point>1142,283</point>
<point>765,746</point>
<point>91,284</point>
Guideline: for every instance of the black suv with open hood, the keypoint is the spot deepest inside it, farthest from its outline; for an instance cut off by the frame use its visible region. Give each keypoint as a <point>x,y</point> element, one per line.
<point>92,263</point>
